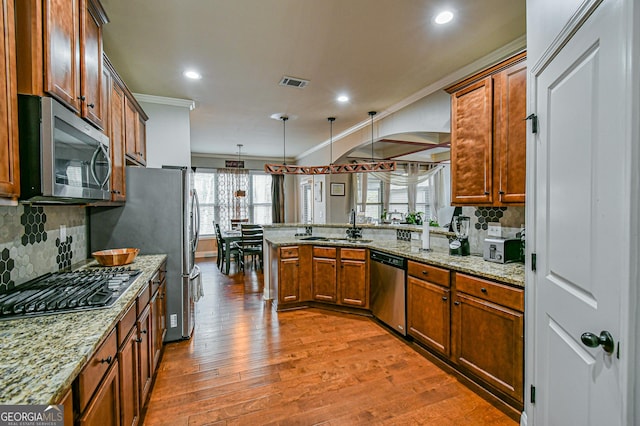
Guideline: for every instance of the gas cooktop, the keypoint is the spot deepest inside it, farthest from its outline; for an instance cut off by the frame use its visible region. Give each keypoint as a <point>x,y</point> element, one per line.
<point>61,292</point>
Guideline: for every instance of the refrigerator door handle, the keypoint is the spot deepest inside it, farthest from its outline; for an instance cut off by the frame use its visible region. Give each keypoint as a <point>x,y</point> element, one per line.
<point>196,216</point>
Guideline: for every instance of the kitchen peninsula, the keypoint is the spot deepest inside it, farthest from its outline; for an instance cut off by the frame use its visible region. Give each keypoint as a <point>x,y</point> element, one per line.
<point>461,311</point>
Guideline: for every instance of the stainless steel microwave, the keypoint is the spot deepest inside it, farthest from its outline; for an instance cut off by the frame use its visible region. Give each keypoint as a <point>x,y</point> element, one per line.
<point>63,159</point>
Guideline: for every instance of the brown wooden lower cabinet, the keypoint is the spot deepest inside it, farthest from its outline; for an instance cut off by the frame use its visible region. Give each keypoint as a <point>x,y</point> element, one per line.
<point>290,276</point>
<point>428,314</point>
<point>488,336</point>
<point>129,390</point>
<point>354,278</point>
<point>145,353</point>
<point>104,408</point>
<point>325,280</point>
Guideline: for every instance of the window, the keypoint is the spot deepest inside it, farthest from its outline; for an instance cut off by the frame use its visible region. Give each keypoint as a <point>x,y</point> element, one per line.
<point>217,204</point>
<point>372,188</point>
<point>398,198</point>
<point>423,199</point>
<point>307,203</point>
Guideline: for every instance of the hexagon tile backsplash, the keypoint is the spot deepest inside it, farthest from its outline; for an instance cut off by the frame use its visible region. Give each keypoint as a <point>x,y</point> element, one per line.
<point>31,244</point>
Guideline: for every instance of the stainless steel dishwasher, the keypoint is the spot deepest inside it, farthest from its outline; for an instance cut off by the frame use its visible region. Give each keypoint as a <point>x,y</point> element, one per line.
<point>388,290</point>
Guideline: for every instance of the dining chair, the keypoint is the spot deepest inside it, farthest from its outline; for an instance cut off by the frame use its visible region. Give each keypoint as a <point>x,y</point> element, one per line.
<point>222,248</point>
<point>250,244</point>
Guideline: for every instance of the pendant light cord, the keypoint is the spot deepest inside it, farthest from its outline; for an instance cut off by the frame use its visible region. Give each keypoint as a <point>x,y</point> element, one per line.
<point>284,119</point>
<point>331,120</point>
<point>371,114</point>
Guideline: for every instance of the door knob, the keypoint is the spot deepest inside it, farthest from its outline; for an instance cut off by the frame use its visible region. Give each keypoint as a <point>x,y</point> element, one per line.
<point>605,340</point>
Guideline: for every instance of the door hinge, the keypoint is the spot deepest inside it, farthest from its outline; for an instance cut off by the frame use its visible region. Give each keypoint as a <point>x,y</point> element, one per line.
<point>534,122</point>
<point>533,261</point>
<point>533,394</point>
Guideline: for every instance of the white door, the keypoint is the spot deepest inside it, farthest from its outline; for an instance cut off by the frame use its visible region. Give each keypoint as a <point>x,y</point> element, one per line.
<point>581,217</point>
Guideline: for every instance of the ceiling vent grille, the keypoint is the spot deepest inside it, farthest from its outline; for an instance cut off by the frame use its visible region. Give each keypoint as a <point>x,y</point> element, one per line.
<point>293,82</point>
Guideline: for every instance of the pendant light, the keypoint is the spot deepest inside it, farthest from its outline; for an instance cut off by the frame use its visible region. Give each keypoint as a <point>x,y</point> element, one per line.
<point>373,166</point>
<point>239,193</point>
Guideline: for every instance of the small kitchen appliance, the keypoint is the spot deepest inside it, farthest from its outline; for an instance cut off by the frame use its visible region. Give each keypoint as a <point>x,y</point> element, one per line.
<point>459,246</point>
<point>502,250</point>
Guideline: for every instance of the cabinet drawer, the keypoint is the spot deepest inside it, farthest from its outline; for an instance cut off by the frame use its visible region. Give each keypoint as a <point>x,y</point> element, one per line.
<point>329,252</point>
<point>429,273</point>
<point>94,371</point>
<point>125,324</point>
<point>288,252</point>
<point>354,254</point>
<point>501,294</point>
<point>143,298</point>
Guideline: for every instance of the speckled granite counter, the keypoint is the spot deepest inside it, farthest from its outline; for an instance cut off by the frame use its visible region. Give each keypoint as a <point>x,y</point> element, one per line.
<point>40,357</point>
<point>511,273</point>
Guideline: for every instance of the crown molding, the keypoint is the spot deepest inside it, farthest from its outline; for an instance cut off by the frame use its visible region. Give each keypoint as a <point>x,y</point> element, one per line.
<point>162,100</point>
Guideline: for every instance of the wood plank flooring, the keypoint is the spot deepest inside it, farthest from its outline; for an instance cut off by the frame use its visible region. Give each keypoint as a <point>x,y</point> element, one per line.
<point>248,365</point>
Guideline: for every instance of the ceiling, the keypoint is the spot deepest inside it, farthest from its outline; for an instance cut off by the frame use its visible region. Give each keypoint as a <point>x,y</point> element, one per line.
<point>378,52</point>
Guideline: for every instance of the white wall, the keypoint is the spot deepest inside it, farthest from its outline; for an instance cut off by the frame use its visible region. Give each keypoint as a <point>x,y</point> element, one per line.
<point>168,135</point>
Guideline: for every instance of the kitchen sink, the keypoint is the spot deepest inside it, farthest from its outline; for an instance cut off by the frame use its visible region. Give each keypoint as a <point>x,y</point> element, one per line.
<point>337,240</point>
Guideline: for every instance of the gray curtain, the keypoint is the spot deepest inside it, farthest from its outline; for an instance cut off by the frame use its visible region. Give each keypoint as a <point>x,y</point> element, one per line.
<point>277,198</point>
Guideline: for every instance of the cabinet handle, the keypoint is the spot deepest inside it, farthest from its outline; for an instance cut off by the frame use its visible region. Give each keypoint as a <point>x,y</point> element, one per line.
<point>115,192</point>
<point>501,192</point>
<point>82,98</point>
<point>144,332</point>
<point>486,192</point>
<point>484,290</point>
<point>456,303</point>
<point>425,272</point>
<point>139,340</point>
<point>106,360</point>
<point>444,298</point>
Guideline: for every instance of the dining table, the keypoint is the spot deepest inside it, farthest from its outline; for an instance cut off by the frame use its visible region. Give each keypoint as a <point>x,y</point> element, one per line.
<point>228,238</point>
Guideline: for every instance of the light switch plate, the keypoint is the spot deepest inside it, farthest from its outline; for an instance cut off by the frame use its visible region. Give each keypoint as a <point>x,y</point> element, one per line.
<point>494,229</point>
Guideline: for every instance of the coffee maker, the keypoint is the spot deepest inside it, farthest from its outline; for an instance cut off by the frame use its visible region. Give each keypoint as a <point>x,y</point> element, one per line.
<point>459,246</point>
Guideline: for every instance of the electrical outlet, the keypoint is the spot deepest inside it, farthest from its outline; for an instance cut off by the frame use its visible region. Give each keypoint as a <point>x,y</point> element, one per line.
<point>63,233</point>
<point>174,320</point>
<point>494,229</point>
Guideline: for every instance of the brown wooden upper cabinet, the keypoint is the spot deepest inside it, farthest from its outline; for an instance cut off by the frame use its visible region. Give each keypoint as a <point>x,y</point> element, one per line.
<point>59,50</point>
<point>9,158</point>
<point>135,132</point>
<point>488,136</point>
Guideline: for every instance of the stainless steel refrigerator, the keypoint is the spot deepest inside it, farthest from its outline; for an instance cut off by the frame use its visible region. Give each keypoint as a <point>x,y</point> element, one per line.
<point>161,215</point>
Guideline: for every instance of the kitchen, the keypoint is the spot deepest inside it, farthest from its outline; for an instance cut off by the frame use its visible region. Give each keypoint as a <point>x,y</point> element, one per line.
<point>39,239</point>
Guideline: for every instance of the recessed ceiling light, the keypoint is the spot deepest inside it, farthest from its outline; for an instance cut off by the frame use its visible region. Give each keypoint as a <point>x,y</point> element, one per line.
<point>194,75</point>
<point>342,98</point>
<point>444,17</point>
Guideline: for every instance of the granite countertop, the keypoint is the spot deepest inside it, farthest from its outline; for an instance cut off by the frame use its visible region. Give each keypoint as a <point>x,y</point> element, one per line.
<point>400,226</point>
<point>510,273</point>
<point>41,356</point>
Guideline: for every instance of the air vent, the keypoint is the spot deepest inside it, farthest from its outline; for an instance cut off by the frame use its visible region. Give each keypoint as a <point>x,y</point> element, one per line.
<point>293,82</point>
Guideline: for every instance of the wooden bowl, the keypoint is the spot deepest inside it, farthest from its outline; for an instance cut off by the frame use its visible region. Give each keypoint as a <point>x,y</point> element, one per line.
<point>115,257</point>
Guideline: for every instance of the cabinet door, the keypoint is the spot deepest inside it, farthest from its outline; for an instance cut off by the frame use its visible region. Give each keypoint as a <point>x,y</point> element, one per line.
<point>104,409</point>
<point>428,314</point>
<point>129,389</point>
<point>471,144</point>
<point>353,283</point>
<point>511,137</point>
<point>157,317</point>
<point>141,141</point>
<point>131,130</point>
<point>488,342</point>
<point>325,285</point>
<point>289,284</point>
<point>62,51</point>
<point>145,354</point>
<point>91,75</point>
<point>9,159</point>
<point>117,136</point>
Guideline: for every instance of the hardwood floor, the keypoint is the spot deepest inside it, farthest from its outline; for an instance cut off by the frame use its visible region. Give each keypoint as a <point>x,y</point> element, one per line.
<point>248,365</point>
